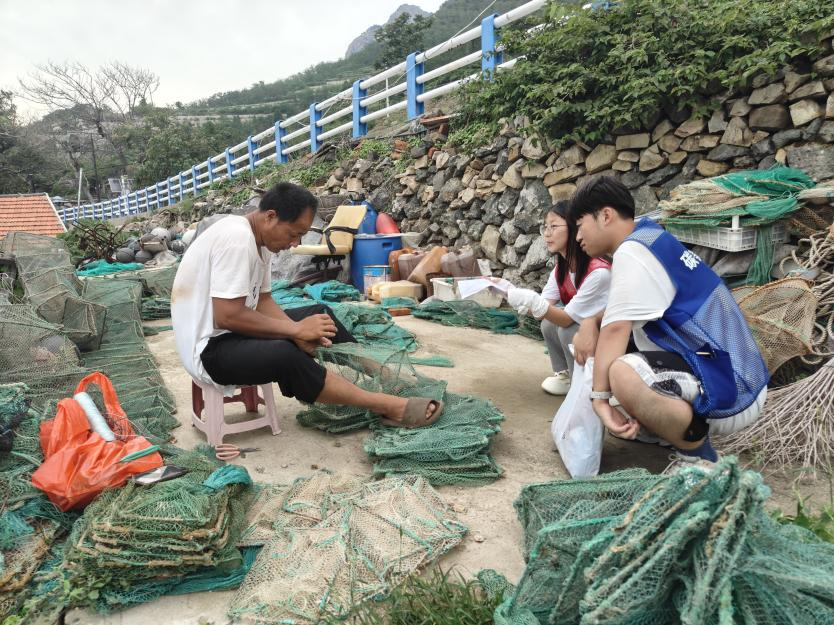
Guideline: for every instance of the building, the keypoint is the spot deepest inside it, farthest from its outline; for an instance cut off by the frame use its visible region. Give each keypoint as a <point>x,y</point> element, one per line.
<point>29,212</point>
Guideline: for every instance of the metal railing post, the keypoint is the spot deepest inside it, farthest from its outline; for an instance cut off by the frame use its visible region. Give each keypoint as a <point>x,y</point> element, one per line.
<point>194,180</point>
<point>413,69</point>
<point>491,58</point>
<point>250,148</point>
<point>230,170</point>
<point>360,128</point>
<point>280,157</point>
<point>315,142</point>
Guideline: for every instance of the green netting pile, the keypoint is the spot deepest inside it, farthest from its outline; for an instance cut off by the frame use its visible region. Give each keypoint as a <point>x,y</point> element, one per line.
<point>388,303</point>
<point>50,285</point>
<point>136,543</point>
<point>466,313</point>
<point>332,542</point>
<point>124,357</point>
<point>155,308</point>
<point>329,292</point>
<point>103,268</point>
<point>453,450</point>
<point>695,547</point>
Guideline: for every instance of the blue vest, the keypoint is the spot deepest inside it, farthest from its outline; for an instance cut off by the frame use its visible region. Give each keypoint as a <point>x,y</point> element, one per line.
<point>705,326</point>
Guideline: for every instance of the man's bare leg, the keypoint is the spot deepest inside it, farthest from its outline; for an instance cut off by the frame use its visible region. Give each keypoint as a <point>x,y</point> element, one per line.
<point>667,417</point>
<point>337,390</point>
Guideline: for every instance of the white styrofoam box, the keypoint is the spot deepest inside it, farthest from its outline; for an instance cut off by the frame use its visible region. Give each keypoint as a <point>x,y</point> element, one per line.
<point>446,290</point>
<point>727,239</point>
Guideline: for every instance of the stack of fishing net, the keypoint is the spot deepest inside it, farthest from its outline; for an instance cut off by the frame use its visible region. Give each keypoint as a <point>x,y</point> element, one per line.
<point>123,356</point>
<point>695,547</point>
<point>781,316</point>
<point>48,277</point>
<point>469,314</point>
<point>332,542</point>
<point>758,198</point>
<point>136,543</point>
<point>454,449</point>
<point>30,525</point>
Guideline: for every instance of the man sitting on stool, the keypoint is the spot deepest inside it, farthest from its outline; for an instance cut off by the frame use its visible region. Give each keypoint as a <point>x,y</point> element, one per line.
<point>230,332</point>
<point>698,369</point>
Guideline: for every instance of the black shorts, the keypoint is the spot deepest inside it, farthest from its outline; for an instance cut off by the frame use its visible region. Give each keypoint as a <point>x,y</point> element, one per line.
<point>235,359</point>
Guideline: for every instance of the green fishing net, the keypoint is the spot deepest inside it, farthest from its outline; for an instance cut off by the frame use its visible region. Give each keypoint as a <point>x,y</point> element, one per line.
<point>466,313</point>
<point>136,543</point>
<point>695,547</point>
<point>332,542</point>
<point>103,268</point>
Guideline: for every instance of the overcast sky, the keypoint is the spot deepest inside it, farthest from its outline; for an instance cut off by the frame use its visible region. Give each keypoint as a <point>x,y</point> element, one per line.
<point>196,47</point>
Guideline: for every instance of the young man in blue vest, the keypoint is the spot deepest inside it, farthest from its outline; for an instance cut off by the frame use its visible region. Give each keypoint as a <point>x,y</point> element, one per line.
<point>698,369</point>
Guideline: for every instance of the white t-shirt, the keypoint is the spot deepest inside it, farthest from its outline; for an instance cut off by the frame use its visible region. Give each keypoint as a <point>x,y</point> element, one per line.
<point>590,298</point>
<point>223,262</point>
<point>641,291</point>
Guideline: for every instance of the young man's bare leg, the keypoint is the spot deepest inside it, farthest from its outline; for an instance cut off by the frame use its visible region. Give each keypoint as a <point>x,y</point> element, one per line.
<point>337,390</point>
<point>667,417</point>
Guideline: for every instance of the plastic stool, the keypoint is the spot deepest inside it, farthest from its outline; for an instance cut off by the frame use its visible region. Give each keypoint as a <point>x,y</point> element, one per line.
<point>208,410</point>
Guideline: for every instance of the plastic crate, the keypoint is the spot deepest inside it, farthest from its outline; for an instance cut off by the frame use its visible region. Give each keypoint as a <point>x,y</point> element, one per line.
<point>446,290</point>
<point>727,239</point>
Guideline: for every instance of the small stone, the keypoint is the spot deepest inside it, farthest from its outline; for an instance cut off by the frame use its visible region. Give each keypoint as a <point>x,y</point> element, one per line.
<point>636,141</point>
<point>677,157</point>
<point>632,179</point>
<point>781,156</point>
<point>564,175</point>
<point>645,199</point>
<point>791,135</point>
<point>718,122</point>
<point>314,467</point>
<point>825,66</point>
<point>691,126</point>
<point>771,94</point>
<point>354,185</point>
<point>764,79</point>
<point>422,162</point>
<point>478,538</point>
<point>631,157</point>
<point>601,157</point>
<point>826,132</point>
<point>698,143</point>
<point>622,166</point>
<point>737,133</point>
<point>829,107</point>
<point>284,466</point>
<point>458,508</point>
<point>669,143</point>
<point>260,469</point>
<point>561,191</point>
<point>708,168</point>
<point>794,80</point>
<point>771,118</point>
<point>337,444</point>
<point>651,159</point>
<point>661,129</point>
<point>533,169</point>
<point>512,177</point>
<point>739,108</point>
<point>574,155</point>
<point>724,152</point>
<point>533,148</point>
<point>811,90</point>
<point>805,111</point>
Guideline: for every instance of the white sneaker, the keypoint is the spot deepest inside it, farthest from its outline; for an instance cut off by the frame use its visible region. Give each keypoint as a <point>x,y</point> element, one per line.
<point>557,384</point>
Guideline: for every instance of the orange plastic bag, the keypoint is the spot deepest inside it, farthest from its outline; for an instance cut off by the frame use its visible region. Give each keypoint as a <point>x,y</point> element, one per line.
<point>78,463</point>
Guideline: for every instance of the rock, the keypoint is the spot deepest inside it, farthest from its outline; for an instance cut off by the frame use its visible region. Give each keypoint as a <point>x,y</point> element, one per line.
<point>645,200</point>
<point>718,122</point>
<point>506,202</point>
<point>737,133</point>
<point>632,179</point>
<point>763,148</point>
<point>811,90</point>
<point>622,166</point>
<point>690,167</point>
<point>422,162</point>
<point>332,182</point>
<point>651,159</point>
<point>764,79</point>
<point>467,196</point>
<point>419,151</point>
<point>792,135</point>
<point>691,126</point>
<point>468,176</point>
<point>514,149</point>
<point>810,131</point>
<point>631,157</point>
<point>805,111</point>
<point>601,157</point>
<point>533,170</point>
<point>502,163</point>
<point>534,199</point>
<point>499,187</point>
<point>630,142</point>
<point>487,172</point>
<point>676,114</point>
<point>669,143</point>
<point>523,242</point>
<point>441,159</point>
<point>353,185</point>
<point>561,191</point>
<point>512,177</point>
<point>476,230</point>
<point>826,132</point>
<point>771,94</point>
<point>781,156</point>
<point>564,175</point>
<point>533,148</point>
<point>536,256</point>
<point>724,153</point>
<point>490,242</point>
<point>677,157</point>
<point>817,159</point>
<point>794,80</point>
<point>767,162</point>
<point>663,128</point>
<point>825,66</point>
<point>699,143</point>
<point>441,177</point>
<point>829,107</point>
<point>660,175</point>
<point>739,108</point>
<point>744,162</point>
<point>490,211</point>
<point>574,155</point>
<point>708,168</point>
<point>508,256</point>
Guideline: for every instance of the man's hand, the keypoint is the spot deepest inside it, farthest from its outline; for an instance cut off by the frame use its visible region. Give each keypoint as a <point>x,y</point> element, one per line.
<point>527,300</point>
<point>614,420</point>
<point>585,341</point>
<point>314,328</point>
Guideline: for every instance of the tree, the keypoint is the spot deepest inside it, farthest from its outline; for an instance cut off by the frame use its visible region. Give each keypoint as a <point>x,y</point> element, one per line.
<point>400,38</point>
<point>113,94</point>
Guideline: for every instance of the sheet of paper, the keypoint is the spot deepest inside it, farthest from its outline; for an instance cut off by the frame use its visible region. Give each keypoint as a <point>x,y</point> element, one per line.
<point>468,288</point>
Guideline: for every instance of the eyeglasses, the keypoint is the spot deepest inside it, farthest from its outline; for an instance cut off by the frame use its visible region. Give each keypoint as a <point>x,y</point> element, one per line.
<point>550,228</point>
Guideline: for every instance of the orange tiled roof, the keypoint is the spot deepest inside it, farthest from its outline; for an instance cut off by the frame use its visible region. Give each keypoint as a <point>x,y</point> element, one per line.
<point>31,212</point>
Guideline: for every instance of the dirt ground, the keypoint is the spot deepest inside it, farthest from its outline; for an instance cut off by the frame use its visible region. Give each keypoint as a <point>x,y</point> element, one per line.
<point>506,369</point>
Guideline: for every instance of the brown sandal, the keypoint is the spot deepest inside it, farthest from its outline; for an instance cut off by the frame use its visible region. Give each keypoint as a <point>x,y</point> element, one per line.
<point>415,413</point>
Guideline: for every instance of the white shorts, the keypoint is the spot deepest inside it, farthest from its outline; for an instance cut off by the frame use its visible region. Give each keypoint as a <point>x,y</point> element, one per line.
<point>682,384</point>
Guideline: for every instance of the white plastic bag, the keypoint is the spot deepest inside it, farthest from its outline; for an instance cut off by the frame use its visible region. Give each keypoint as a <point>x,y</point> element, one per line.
<point>576,428</point>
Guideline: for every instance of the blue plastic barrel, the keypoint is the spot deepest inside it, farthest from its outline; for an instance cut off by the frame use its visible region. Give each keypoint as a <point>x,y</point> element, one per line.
<point>368,225</point>
<point>371,249</point>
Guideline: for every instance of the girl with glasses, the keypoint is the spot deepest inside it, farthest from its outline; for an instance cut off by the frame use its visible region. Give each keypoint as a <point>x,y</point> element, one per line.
<point>576,289</point>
